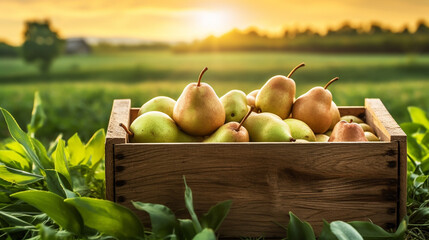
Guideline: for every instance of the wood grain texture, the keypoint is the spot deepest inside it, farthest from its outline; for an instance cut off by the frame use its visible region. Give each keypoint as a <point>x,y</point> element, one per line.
<point>388,130</point>
<point>332,181</point>
<point>115,135</point>
<point>358,111</point>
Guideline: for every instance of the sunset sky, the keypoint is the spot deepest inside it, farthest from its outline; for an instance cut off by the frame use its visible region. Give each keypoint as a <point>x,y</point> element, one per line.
<point>184,20</point>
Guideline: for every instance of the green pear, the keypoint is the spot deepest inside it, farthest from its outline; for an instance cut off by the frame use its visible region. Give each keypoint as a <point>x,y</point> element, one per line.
<point>335,114</point>
<point>160,104</point>
<point>366,127</point>
<point>300,130</point>
<point>267,127</point>
<point>157,127</point>
<point>277,95</point>
<point>322,137</point>
<point>314,108</point>
<point>371,136</point>
<point>351,118</point>
<point>251,97</point>
<point>328,133</point>
<point>235,105</point>
<point>231,132</point>
<point>347,132</point>
<point>198,111</point>
<point>301,141</point>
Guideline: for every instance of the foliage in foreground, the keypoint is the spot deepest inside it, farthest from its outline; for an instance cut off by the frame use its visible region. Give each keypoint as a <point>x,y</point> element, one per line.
<point>55,193</point>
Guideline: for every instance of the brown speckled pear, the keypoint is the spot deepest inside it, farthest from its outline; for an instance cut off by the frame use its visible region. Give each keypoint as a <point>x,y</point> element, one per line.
<point>347,132</point>
<point>314,108</point>
<point>198,111</point>
<point>277,95</point>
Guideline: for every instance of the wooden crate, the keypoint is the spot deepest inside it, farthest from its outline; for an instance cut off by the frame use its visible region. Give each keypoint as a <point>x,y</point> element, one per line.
<point>316,181</point>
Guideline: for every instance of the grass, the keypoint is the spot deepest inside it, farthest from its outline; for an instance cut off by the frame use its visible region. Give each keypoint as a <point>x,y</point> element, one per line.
<point>78,93</point>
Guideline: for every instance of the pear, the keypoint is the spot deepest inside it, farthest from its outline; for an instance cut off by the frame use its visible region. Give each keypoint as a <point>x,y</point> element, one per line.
<point>300,130</point>
<point>314,108</point>
<point>322,137</point>
<point>198,111</point>
<point>277,95</point>
<point>161,104</point>
<point>156,127</point>
<point>371,136</point>
<point>352,118</point>
<point>335,114</point>
<point>235,105</point>
<point>267,127</point>
<point>366,127</point>
<point>251,97</point>
<point>328,133</point>
<point>231,132</point>
<point>347,132</point>
<point>301,141</point>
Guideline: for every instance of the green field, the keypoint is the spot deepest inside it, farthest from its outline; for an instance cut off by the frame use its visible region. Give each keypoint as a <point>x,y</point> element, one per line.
<point>78,93</point>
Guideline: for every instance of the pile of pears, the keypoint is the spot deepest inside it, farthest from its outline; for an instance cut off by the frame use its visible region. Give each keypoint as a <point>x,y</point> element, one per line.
<point>269,114</point>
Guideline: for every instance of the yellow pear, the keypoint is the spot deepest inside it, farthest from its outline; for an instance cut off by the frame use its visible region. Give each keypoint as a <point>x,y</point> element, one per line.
<point>161,104</point>
<point>371,136</point>
<point>314,108</point>
<point>277,95</point>
<point>251,97</point>
<point>267,127</point>
<point>300,130</point>
<point>235,104</point>
<point>352,118</point>
<point>335,114</point>
<point>198,111</point>
<point>322,137</point>
<point>231,132</point>
<point>366,127</point>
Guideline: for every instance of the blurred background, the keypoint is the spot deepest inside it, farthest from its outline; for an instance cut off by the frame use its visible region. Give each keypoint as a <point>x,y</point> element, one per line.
<point>80,55</point>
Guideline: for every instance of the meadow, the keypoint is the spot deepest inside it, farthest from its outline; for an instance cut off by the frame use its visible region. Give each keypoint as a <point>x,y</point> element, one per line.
<point>79,91</point>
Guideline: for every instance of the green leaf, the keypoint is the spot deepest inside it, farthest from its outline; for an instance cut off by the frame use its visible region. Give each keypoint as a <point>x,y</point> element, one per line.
<point>12,220</point>
<point>38,116</point>
<point>411,128</point>
<point>95,147</point>
<point>190,206</point>
<point>18,176</point>
<point>21,137</point>
<point>53,182</point>
<point>420,180</point>
<point>61,161</point>
<point>53,205</point>
<point>344,231</point>
<point>76,149</point>
<point>418,116</point>
<point>370,231</point>
<point>48,233</point>
<point>414,149</point>
<point>215,216</point>
<point>161,217</point>
<point>420,215</point>
<point>14,160</point>
<point>108,217</point>
<point>299,230</point>
<point>186,229</point>
<point>206,234</point>
<point>41,153</point>
<point>326,233</point>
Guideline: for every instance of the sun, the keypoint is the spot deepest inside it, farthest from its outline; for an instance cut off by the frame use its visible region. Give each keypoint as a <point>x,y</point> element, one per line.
<point>213,22</point>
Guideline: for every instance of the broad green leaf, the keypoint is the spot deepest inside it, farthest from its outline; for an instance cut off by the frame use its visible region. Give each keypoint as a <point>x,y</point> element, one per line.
<point>95,147</point>
<point>418,116</point>
<point>76,150</point>
<point>53,182</point>
<point>187,230</point>
<point>38,116</point>
<point>215,216</point>
<point>41,153</point>
<point>420,215</point>
<point>21,137</point>
<point>12,220</point>
<point>206,234</point>
<point>344,231</point>
<point>299,230</point>
<point>61,161</point>
<point>402,228</point>
<point>190,206</point>
<point>53,205</point>
<point>414,149</point>
<point>370,231</point>
<point>411,128</point>
<point>14,160</point>
<point>424,166</point>
<point>420,180</point>
<point>48,233</point>
<point>425,140</point>
<point>162,219</point>
<point>53,145</point>
<point>18,176</point>
<point>326,233</point>
<point>108,217</point>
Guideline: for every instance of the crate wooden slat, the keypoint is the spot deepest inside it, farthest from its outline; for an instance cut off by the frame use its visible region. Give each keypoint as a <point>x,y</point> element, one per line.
<point>332,181</point>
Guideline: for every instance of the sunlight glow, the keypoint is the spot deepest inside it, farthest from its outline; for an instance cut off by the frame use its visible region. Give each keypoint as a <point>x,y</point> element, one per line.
<point>212,22</point>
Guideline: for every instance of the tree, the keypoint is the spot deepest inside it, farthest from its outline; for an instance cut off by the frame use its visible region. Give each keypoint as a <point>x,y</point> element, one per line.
<point>41,44</point>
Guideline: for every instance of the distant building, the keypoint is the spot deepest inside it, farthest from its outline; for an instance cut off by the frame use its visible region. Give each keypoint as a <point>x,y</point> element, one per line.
<point>77,46</point>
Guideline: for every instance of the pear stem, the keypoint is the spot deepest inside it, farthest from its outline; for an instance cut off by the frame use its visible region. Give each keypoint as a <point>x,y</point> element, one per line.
<point>329,83</point>
<point>126,129</point>
<point>244,119</point>
<point>201,75</point>
<point>293,70</point>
